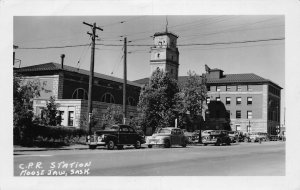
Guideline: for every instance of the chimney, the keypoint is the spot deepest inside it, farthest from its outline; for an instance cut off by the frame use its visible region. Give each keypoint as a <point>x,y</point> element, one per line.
<point>62,56</point>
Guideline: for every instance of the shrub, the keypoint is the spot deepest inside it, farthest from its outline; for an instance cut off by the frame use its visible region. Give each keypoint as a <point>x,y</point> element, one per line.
<point>41,135</point>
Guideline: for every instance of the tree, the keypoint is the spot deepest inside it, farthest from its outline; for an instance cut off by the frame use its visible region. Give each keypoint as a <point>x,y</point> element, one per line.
<point>23,94</point>
<point>192,96</point>
<point>51,113</point>
<point>157,101</point>
<point>113,115</point>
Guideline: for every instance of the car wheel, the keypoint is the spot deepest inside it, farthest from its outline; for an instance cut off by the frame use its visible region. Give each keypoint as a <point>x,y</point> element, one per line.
<point>110,145</point>
<point>149,146</point>
<point>205,144</point>
<point>184,144</point>
<point>137,144</point>
<point>92,146</point>
<point>120,147</point>
<point>167,144</point>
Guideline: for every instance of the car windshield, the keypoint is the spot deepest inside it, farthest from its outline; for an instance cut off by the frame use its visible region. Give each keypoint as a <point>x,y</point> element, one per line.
<point>215,132</point>
<point>164,131</point>
<point>112,128</point>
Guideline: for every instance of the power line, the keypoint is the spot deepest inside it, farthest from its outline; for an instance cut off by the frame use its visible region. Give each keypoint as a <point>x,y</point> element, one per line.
<point>227,43</point>
<point>55,47</point>
<point>226,30</point>
<point>83,55</point>
<point>148,45</point>
<point>189,49</point>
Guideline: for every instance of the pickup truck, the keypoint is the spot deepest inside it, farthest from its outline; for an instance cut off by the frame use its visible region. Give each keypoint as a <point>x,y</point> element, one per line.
<point>115,135</point>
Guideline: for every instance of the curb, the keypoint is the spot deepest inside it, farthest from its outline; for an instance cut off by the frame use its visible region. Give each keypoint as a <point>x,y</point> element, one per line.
<point>47,149</point>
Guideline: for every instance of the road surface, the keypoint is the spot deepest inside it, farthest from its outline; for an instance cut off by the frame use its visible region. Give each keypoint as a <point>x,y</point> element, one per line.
<point>242,159</point>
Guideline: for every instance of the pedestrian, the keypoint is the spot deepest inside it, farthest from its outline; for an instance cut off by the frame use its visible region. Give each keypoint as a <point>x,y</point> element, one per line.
<point>259,140</point>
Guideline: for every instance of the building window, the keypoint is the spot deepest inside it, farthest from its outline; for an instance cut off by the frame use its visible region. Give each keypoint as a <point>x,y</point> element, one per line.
<point>249,100</point>
<point>131,101</point>
<point>207,100</point>
<point>238,114</point>
<point>249,114</point>
<point>238,88</point>
<point>228,100</point>
<point>238,100</point>
<point>227,88</point>
<point>108,98</point>
<point>238,127</point>
<point>249,88</point>
<point>71,118</point>
<point>218,99</point>
<point>218,89</point>
<point>80,93</point>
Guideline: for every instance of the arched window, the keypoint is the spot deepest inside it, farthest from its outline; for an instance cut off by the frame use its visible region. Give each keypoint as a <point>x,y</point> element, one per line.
<point>108,98</point>
<point>131,101</point>
<point>80,93</point>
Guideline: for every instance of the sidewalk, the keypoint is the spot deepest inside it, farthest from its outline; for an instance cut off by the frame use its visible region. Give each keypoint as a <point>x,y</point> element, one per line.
<point>71,147</point>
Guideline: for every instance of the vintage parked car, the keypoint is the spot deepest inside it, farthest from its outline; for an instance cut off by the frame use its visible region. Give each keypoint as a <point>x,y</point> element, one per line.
<point>216,137</point>
<point>257,136</point>
<point>234,136</point>
<point>116,135</point>
<point>263,136</point>
<point>167,137</point>
<point>191,136</point>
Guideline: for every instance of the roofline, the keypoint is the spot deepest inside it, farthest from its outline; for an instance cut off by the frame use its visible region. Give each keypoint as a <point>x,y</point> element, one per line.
<point>165,33</point>
<point>250,82</point>
<point>70,71</point>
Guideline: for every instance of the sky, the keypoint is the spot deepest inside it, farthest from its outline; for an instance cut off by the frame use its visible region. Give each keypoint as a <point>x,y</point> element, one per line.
<point>264,58</point>
<point>259,57</point>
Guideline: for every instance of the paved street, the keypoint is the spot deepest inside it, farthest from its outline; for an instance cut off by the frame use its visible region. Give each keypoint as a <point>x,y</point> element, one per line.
<point>243,159</point>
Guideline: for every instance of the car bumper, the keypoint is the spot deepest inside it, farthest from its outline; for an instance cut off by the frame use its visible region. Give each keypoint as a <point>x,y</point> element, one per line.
<point>209,141</point>
<point>97,143</point>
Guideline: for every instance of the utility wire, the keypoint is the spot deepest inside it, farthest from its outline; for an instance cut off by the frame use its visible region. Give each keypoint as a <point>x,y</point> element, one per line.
<point>200,49</point>
<point>237,42</point>
<point>148,45</point>
<point>54,47</point>
<point>83,54</point>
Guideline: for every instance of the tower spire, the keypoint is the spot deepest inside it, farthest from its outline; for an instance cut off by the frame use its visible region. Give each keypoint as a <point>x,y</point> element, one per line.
<point>166,24</point>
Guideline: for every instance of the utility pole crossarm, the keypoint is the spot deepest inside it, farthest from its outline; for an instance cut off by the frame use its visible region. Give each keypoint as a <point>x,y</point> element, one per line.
<point>87,24</point>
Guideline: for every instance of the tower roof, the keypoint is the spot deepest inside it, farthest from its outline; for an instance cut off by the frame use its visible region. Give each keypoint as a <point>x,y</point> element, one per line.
<point>165,33</point>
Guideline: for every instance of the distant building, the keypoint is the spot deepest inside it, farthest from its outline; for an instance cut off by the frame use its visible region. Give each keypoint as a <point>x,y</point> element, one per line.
<point>69,86</point>
<point>252,103</point>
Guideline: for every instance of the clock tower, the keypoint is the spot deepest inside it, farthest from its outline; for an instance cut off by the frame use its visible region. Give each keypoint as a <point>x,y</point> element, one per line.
<point>165,54</point>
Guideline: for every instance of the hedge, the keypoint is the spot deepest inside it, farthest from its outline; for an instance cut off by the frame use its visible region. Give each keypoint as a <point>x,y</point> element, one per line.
<point>48,135</point>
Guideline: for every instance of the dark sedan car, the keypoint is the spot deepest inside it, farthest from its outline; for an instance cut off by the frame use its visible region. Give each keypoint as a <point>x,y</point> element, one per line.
<point>217,137</point>
<point>116,135</point>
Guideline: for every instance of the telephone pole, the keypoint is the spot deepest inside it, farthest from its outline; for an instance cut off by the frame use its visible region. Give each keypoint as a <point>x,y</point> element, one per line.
<point>90,107</point>
<point>125,81</point>
<point>14,53</point>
